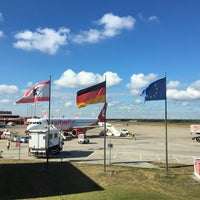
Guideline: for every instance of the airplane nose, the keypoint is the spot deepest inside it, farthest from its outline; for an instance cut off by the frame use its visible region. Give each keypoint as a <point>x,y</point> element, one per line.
<point>30,127</point>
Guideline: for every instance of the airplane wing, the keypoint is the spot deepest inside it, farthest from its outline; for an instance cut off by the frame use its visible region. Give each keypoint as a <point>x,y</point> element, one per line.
<point>86,126</point>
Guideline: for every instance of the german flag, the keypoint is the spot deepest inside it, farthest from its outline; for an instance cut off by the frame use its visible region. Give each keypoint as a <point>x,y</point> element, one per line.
<point>91,95</point>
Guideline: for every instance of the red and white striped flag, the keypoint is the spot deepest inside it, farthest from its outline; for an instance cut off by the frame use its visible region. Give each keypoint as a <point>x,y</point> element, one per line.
<point>39,92</point>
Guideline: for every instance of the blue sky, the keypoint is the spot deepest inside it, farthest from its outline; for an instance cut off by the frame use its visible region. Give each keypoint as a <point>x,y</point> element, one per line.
<point>77,43</point>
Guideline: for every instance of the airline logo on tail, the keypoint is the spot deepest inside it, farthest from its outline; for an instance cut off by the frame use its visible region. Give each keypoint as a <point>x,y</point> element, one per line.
<point>45,115</point>
<point>102,114</point>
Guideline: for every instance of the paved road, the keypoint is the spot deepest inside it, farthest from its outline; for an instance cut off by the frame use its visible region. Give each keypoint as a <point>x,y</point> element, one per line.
<point>150,145</point>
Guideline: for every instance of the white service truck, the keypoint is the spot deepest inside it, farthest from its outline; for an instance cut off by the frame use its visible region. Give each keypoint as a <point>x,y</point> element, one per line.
<point>45,141</point>
<point>195,129</point>
<point>83,139</point>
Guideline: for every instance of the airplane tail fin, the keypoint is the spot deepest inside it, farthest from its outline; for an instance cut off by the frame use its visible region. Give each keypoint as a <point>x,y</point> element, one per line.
<point>101,116</point>
<point>45,114</point>
<point>76,115</point>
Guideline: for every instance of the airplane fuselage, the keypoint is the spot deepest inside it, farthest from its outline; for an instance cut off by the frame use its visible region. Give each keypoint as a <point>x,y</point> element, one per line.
<point>75,126</point>
<point>63,124</point>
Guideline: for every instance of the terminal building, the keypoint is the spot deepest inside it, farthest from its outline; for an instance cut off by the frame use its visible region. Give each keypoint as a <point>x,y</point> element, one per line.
<point>7,116</point>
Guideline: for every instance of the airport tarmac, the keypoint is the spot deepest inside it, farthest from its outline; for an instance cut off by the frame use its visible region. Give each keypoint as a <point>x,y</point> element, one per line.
<point>149,146</point>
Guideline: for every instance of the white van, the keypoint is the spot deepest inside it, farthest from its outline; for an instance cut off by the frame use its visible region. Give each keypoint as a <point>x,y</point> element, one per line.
<point>82,139</point>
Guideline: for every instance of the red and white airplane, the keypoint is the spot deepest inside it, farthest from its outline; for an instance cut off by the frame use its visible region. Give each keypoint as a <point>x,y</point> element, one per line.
<point>74,126</point>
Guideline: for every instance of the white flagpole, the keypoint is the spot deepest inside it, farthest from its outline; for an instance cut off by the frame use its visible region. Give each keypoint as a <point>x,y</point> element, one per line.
<point>49,123</point>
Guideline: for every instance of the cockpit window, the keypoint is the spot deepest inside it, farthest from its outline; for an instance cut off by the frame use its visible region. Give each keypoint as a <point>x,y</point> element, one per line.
<point>35,122</point>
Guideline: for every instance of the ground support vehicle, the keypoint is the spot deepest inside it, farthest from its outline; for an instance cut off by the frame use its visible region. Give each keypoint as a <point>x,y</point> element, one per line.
<point>2,124</point>
<point>45,141</point>
<point>7,134</point>
<point>197,138</point>
<point>24,139</point>
<point>110,130</point>
<point>82,139</point>
<point>195,129</point>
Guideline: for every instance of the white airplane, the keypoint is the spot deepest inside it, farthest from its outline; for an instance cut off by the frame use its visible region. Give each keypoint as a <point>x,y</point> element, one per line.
<point>75,126</point>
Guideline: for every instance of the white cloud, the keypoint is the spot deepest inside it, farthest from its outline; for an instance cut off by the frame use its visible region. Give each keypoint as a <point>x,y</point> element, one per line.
<point>91,36</point>
<point>151,19</point>
<point>1,34</point>
<point>112,26</point>
<point>177,94</point>
<point>5,101</point>
<point>8,89</point>
<point>154,19</point>
<point>138,101</point>
<point>192,92</point>
<point>72,80</point>
<point>48,40</point>
<point>173,84</point>
<point>1,17</point>
<point>68,104</point>
<point>184,103</point>
<point>30,84</point>
<point>112,79</point>
<point>140,81</point>
<point>83,79</point>
<point>45,40</point>
<point>113,103</point>
<point>141,17</point>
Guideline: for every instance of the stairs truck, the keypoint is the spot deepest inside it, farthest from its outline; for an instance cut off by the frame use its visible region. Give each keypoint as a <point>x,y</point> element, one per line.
<point>41,141</point>
<point>110,130</point>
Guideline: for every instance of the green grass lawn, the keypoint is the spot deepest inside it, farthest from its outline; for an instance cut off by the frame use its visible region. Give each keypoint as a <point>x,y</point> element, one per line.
<point>33,179</point>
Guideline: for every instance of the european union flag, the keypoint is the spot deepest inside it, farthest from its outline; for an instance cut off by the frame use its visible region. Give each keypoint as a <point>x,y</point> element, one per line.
<point>156,90</point>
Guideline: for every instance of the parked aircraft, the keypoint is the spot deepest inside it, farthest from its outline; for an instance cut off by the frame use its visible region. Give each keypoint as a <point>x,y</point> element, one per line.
<point>74,126</point>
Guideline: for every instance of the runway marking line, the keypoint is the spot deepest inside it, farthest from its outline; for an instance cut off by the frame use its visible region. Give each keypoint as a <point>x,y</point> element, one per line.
<point>158,157</point>
<point>88,156</point>
<point>115,155</point>
<point>176,158</point>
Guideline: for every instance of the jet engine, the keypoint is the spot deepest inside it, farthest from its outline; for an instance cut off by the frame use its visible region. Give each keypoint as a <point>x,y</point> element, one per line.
<point>77,131</point>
